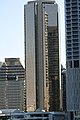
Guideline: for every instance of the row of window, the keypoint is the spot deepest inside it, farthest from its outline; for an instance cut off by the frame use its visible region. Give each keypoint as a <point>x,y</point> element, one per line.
<point>72,4</point>
<point>68,9</point>
<point>73,29</point>
<point>72,21</point>
<point>74,49</point>
<point>73,15</point>
<point>73,36</point>
<point>73,32</point>
<point>75,64</point>
<point>74,57</point>
<point>74,52</point>
<point>72,41</point>
<point>74,45</point>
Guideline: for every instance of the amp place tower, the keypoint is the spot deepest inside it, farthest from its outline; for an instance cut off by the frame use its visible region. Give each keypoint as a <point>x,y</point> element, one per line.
<point>42,65</point>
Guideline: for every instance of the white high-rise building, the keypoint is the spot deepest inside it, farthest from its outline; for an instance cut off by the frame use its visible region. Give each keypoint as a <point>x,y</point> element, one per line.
<point>41,55</point>
<point>72,25</point>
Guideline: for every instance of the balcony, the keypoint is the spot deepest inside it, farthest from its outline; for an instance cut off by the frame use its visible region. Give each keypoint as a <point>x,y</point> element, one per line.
<point>75,32</point>
<point>74,8</point>
<point>75,44</point>
<point>75,48</point>
<point>75,36</point>
<point>74,4</point>
<point>67,1</point>
<point>75,28</point>
<point>68,41</point>
<point>68,30</point>
<point>74,24</point>
<point>68,9</point>
<point>74,21</point>
<point>74,1</point>
<point>75,57</point>
<point>69,57</point>
<point>75,40</point>
<point>69,45</point>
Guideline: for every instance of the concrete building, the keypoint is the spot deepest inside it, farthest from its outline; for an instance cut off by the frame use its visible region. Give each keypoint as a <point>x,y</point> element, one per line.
<point>42,55</point>
<point>72,27</point>
<point>12,84</point>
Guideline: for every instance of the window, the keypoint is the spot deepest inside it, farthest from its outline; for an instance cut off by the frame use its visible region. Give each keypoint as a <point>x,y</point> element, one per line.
<point>75,36</point>
<point>50,33</point>
<point>75,44</point>
<point>68,49</point>
<point>75,48</point>
<point>75,40</point>
<point>75,32</point>
<point>75,24</point>
<point>75,52</point>
<point>69,57</point>
<point>68,41</point>
<point>67,0</point>
<point>76,57</point>
<point>76,63</point>
<point>69,53</point>
<point>74,28</point>
<point>68,45</point>
<point>69,64</point>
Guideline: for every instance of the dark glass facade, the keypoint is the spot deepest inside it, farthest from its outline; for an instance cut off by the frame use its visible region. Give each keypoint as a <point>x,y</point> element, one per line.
<point>12,84</point>
<point>53,59</point>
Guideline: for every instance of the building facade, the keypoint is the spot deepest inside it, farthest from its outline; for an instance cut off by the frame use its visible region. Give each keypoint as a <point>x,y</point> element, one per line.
<point>12,84</point>
<point>42,55</point>
<point>63,88</point>
<point>72,27</point>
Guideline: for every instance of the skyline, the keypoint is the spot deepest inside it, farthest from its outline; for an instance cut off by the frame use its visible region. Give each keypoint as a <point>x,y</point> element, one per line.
<point>12,29</point>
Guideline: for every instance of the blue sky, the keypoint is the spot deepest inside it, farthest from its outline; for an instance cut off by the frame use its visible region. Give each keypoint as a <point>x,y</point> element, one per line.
<point>12,29</point>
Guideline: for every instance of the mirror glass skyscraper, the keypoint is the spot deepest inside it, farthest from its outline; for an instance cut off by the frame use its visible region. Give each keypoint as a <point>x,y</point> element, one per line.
<point>41,55</point>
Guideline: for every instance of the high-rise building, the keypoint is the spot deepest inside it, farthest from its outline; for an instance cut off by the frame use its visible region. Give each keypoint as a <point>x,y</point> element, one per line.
<point>12,84</point>
<point>72,27</point>
<point>63,88</point>
<point>42,55</point>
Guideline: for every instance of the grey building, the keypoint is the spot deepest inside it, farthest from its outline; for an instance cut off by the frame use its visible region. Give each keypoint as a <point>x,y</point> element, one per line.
<point>12,84</point>
<point>63,88</point>
<point>0,64</point>
<point>72,27</point>
<point>42,55</point>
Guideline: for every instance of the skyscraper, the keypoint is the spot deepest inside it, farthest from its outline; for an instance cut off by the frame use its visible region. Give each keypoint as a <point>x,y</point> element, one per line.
<point>72,20</point>
<point>41,55</point>
<point>12,84</point>
<point>63,87</point>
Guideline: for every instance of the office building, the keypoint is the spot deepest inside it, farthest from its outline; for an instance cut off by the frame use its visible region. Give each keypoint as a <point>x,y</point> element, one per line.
<point>72,27</point>
<point>42,55</point>
<point>12,84</point>
<point>63,87</point>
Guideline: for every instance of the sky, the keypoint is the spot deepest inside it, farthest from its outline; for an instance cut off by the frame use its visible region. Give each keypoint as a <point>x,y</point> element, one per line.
<point>12,29</point>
